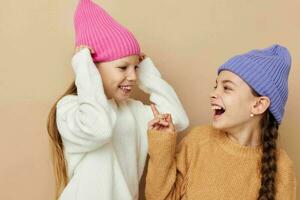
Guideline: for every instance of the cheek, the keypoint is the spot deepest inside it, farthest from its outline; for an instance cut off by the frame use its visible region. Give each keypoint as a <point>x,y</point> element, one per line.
<point>105,78</point>
<point>233,103</point>
<point>112,79</point>
<point>238,107</point>
<point>117,77</point>
<point>107,81</point>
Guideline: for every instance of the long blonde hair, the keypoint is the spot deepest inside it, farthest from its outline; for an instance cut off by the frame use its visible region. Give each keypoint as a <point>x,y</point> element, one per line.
<point>56,145</point>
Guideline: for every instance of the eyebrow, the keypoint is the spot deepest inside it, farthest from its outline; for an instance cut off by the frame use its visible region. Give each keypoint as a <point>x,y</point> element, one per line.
<point>227,81</point>
<point>123,63</point>
<point>127,63</point>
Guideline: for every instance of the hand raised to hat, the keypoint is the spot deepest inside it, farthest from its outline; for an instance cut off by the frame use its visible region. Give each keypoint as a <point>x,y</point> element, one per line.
<point>142,57</point>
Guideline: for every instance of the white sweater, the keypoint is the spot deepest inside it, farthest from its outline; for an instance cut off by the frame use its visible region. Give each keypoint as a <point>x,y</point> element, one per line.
<point>105,144</point>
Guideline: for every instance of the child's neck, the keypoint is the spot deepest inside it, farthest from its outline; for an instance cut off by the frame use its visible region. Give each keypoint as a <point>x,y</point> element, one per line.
<point>246,135</point>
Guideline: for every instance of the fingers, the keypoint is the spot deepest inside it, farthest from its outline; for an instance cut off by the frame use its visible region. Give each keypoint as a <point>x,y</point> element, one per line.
<point>165,120</point>
<point>161,124</point>
<point>157,115</point>
<point>170,121</point>
<point>156,125</point>
<point>161,121</point>
<point>169,118</point>
<point>142,57</point>
<point>154,110</point>
<point>152,124</point>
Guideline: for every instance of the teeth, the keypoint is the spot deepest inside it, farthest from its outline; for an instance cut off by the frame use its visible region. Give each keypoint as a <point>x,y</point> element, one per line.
<point>215,107</point>
<point>125,88</point>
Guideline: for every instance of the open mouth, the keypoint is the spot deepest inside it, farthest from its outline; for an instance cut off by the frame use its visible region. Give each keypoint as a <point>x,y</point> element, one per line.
<point>126,89</point>
<point>218,110</point>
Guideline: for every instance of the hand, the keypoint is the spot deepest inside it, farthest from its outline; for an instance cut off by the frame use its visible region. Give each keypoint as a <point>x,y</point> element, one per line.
<point>161,122</point>
<point>79,48</point>
<point>142,57</point>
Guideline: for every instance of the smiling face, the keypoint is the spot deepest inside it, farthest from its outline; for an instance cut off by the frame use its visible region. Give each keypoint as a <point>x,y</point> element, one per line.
<point>233,102</point>
<point>119,77</point>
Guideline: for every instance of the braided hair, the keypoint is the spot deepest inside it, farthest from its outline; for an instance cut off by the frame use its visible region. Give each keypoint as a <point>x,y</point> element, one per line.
<point>268,168</point>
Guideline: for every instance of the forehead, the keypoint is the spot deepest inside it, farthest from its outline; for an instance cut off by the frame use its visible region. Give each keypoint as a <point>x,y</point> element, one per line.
<point>129,60</point>
<point>230,76</point>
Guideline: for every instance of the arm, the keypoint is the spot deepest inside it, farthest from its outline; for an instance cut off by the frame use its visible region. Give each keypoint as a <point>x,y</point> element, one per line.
<point>85,121</point>
<point>162,94</point>
<point>167,167</point>
<point>166,177</point>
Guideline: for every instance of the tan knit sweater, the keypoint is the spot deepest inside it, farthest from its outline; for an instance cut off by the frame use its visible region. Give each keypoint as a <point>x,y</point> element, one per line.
<point>207,165</point>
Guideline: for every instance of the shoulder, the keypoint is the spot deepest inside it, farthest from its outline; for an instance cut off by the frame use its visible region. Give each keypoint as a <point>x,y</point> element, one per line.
<point>201,132</point>
<point>198,135</point>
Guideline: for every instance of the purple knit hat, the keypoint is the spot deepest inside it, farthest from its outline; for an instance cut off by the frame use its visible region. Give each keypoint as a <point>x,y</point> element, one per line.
<point>266,71</point>
<point>96,28</point>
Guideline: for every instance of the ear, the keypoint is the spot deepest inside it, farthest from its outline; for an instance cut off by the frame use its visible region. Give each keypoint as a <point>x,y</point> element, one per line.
<point>260,105</point>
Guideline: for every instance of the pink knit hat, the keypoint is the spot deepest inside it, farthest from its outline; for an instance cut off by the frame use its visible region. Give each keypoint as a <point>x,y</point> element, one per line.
<point>96,28</point>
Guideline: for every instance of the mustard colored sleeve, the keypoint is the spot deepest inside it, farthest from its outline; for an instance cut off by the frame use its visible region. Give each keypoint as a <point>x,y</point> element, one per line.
<point>167,167</point>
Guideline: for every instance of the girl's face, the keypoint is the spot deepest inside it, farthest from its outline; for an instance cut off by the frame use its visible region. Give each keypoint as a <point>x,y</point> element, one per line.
<point>119,77</point>
<point>233,102</point>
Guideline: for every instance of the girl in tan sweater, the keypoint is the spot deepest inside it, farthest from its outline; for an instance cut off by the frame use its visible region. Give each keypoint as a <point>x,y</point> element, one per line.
<point>236,157</point>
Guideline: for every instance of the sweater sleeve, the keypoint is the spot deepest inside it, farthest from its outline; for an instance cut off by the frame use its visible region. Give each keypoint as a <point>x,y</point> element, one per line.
<point>85,120</point>
<point>162,94</point>
<point>167,168</point>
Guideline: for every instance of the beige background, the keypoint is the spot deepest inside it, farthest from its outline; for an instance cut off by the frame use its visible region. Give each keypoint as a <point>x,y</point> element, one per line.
<point>187,40</point>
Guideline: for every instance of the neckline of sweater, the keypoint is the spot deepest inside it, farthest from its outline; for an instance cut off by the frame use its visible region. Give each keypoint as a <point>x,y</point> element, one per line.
<point>235,148</point>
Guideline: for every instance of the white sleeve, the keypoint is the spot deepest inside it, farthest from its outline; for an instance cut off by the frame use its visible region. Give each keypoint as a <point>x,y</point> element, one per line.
<point>162,94</point>
<point>85,121</point>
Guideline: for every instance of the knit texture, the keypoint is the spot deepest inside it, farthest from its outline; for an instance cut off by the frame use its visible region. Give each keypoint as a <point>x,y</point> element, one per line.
<point>207,165</point>
<point>105,144</point>
<point>97,29</point>
<point>266,71</point>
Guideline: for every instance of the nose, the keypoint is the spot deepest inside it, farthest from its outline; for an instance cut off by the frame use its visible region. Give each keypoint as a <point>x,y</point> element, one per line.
<point>214,94</point>
<point>132,75</point>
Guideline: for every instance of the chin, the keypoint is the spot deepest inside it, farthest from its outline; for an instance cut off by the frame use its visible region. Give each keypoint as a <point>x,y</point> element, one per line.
<point>121,98</point>
<point>221,125</point>
<point>217,125</point>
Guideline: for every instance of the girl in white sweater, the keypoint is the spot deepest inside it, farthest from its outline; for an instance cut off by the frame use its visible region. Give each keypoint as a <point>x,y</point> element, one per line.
<point>98,133</point>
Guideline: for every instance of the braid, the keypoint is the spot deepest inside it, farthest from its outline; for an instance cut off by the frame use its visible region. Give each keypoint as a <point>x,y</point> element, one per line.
<point>268,161</point>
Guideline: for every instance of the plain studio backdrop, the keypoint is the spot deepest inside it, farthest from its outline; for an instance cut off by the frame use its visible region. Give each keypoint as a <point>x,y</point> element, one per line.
<point>187,40</point>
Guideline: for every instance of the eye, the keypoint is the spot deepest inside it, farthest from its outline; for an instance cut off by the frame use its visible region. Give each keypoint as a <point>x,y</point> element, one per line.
<point>123,68</point>
<point>136,67</point>
<point>227,88</point>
